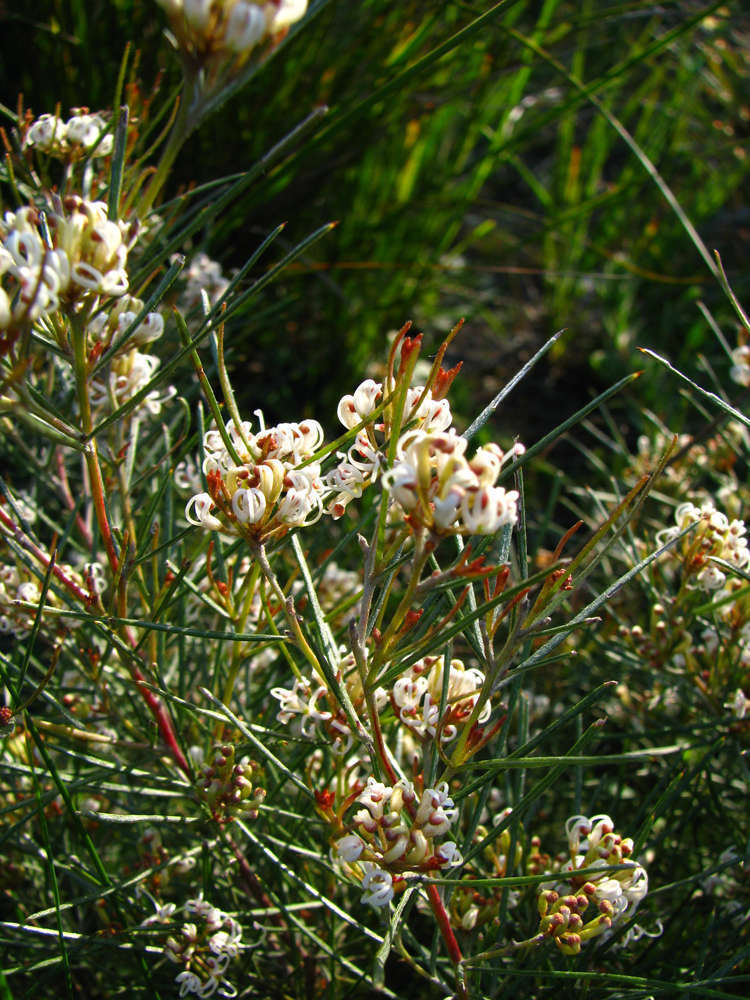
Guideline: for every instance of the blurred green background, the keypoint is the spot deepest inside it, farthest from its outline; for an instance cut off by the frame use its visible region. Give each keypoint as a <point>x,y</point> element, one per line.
<point>471,176</point>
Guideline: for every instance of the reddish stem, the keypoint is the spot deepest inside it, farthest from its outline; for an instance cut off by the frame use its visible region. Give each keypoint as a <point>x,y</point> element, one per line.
<point>97,492</point>
<point>162,718</point>
<point>443,922</point>
<point>41,556</point>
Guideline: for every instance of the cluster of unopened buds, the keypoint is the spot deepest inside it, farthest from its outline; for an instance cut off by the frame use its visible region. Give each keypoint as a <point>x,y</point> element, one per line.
<point>593,843</point>
<point>263,483</point>
<point>206,944</point>
<point>715,537</point>
<point>226,787</point>
<point>395,834</point>
<point>83,134</point>
<point>217,29</point>
<point>65,258</point>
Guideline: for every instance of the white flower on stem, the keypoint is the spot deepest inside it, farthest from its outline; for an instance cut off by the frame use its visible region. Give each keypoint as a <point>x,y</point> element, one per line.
<point>189,983</point>
<point>436,811</point>
<point>377,885</point>
<point>349,848</point>
<point>449,854</point>
<point>434,415</point>
<point>249,506</point>
<point>417,695</point>
<point>87,131</point>
<point>488,509</point>
<point>283,13</point>
<point>739,704</point>
<point>711,578</point>
<point>740,371</point>
<point>163,915</point>
<point>355,408</point>
<point>374,797</point>
<point>47,133</point>
<point>301,703</point>
<point>198,512</point>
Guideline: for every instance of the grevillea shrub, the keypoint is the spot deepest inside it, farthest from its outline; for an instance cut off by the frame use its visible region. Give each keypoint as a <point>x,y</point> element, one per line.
<point>309,708</point>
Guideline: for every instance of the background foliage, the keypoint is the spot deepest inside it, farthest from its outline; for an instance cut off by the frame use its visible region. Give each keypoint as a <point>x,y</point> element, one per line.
<point>470,175</point>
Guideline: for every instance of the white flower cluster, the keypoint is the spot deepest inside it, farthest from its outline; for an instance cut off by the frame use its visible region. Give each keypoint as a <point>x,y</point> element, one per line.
<point>565,905</point>
<point>313,712</point>
<point>129,372</point>
<point>360,467</point>
<point>208,27</point>
<point>108,325</point>
<point>740,703</point>
<point>130,369</point>
<point>432,482</point>
<point>20,587</point>
<point>388,839</point>
<point>270,490</point>
<point>203,275</point>
<point>740,371</point>
<point>16,620</point>
<point>593,843</point>
<point>207,943</point>
<point>417,695</point>
<point>85,258</point>
<point>716,538</point>
<point>275,484</point>
<point>82,134</point>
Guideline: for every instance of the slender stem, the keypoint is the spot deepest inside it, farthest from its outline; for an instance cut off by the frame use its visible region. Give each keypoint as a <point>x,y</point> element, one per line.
<point>287,604</point>
<point>421,554</point>
<point>42,557</point>
<point>117,564</point>
<point>240,623</point>
<point>446,931</point>
<point>67,496</point>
